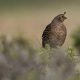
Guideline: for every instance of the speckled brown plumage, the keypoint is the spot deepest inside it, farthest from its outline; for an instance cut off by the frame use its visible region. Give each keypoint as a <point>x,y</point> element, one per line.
<point>55,33</point>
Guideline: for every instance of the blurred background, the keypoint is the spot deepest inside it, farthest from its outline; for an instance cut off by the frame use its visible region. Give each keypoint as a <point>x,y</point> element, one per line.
<point>30,17</point>
<point>21,55</point>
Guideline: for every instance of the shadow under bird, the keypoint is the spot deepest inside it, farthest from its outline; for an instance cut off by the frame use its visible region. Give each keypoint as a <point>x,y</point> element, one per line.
<point>55,33</point>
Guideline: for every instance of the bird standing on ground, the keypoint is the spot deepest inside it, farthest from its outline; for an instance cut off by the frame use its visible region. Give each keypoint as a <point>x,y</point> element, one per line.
<point>55,33</point>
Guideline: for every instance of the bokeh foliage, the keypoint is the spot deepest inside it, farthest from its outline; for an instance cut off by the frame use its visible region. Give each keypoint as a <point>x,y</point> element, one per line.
<point>19,60</point>
<point>76,39</point>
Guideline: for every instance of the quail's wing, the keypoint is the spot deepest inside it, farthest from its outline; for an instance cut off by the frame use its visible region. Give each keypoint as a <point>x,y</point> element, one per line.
<point>46,32</point>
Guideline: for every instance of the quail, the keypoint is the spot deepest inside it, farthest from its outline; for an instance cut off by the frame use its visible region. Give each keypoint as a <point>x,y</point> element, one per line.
<point>55,33</point>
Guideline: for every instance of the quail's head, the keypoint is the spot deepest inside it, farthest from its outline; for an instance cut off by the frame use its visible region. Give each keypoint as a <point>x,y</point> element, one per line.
<point>61,17</point>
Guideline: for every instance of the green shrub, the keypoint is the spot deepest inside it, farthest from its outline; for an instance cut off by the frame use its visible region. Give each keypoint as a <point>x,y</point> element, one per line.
<point>20,61</point>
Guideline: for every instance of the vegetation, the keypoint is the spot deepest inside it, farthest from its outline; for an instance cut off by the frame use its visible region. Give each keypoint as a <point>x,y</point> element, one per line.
<point>76,38</point>
<point>20,61</point>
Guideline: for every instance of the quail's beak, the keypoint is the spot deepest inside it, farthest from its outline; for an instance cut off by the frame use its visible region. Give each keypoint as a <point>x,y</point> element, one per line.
<point>65,17</point>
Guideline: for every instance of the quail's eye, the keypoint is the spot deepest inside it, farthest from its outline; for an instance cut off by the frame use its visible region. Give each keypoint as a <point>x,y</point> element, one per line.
<point>62,16</point>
